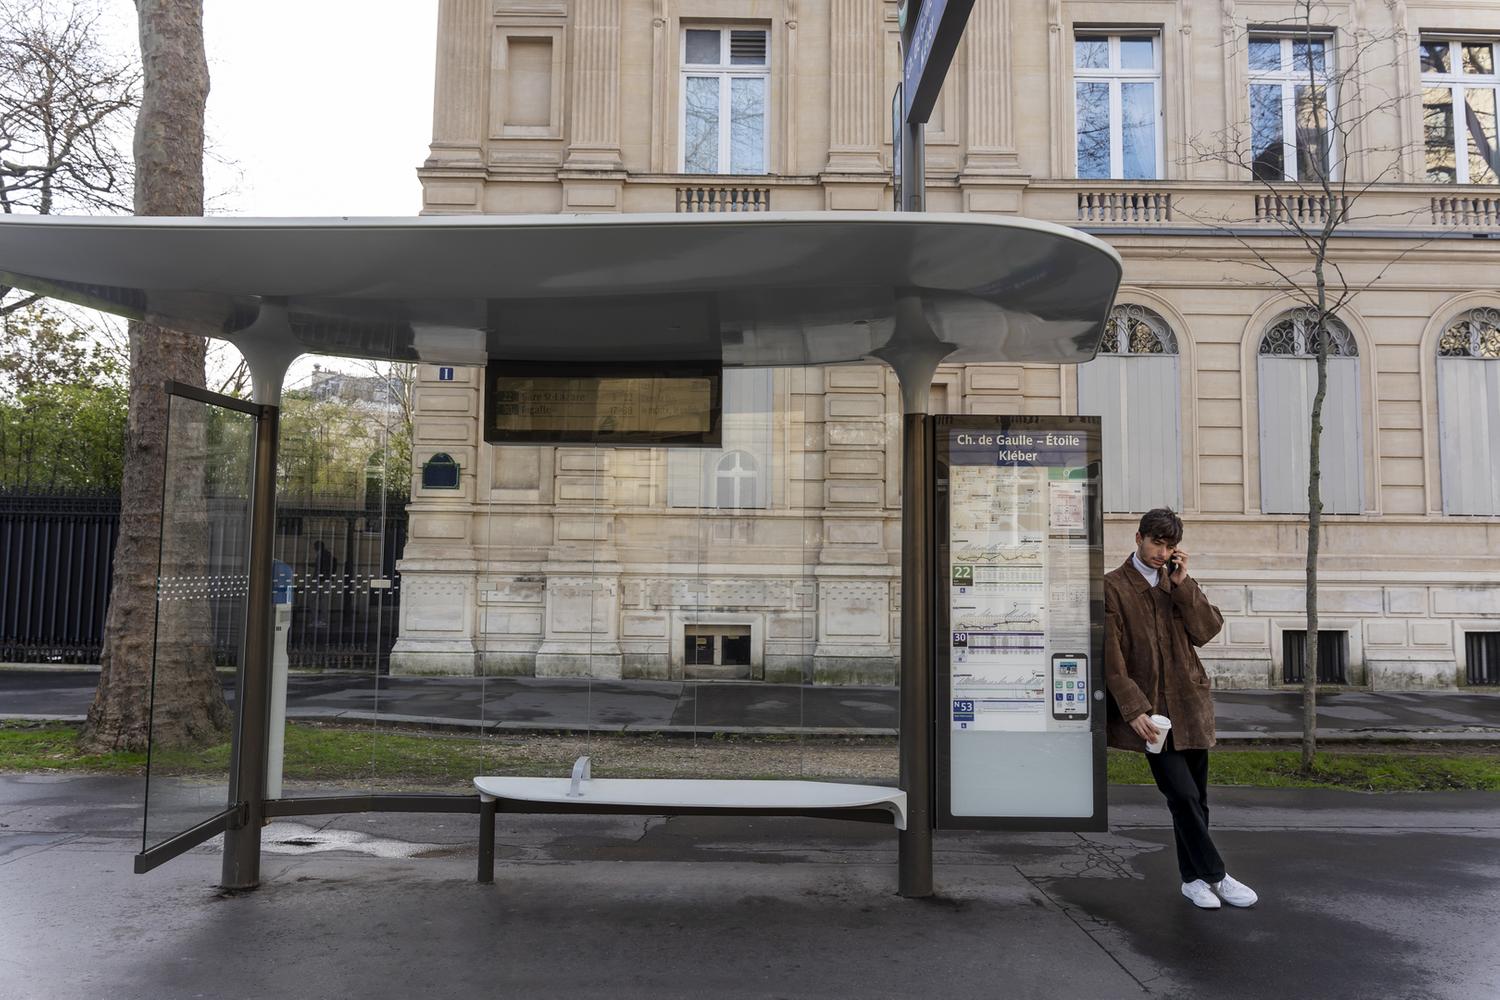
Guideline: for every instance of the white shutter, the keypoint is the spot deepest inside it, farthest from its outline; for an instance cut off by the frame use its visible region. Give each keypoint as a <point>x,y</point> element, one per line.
<point>747,420</point>
<point>1341,484</point>
<point>1469,435</point>
<point>685,477</point>
<point>748,399</point>
<point>1287,387</point>
<point>1138,400</point>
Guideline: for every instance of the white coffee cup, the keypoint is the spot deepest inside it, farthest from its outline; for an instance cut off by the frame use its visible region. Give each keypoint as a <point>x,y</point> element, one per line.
<point>1163,726</point>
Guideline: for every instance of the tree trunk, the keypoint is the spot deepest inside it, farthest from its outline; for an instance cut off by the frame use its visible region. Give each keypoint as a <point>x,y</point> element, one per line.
<point>190,705</point>
<point>1314,534</point>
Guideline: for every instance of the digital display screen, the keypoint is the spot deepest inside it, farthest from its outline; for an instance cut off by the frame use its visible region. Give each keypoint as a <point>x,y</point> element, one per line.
<point>1070,687</point>
<point>618,404</point>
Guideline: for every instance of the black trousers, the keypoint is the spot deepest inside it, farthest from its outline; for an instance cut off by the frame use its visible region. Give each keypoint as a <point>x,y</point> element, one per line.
<point>1182,776</point>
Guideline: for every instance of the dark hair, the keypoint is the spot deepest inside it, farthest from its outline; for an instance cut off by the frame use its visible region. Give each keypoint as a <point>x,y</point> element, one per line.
<point>1162,524</point>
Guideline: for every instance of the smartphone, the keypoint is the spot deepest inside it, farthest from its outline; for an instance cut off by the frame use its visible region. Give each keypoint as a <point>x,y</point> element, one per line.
<point>1070,686</point>
<point>1171,566</point>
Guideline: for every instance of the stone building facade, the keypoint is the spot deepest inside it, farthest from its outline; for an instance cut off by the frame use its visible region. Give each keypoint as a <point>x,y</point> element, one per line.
<point>777,557</point>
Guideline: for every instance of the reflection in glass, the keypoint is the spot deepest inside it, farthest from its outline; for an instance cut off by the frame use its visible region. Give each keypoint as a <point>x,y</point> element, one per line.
<point>1091,52</point>
<point>1312,132</point>
<point>1266,151</point>
<point>202,590</point>
<point>1479,58</point>
<point>1434,57</point>
<point>1138,129</point>
<point>1300,50</point>
<point>1137,53</point>
<point>734,481</point>
<point>1479,119</point>
<point>1265,53</point>
<point>747,117</point>
<point>1437,132</point>
<point>1093,129</point>
<point>701,127</point>
<point>703,48</point>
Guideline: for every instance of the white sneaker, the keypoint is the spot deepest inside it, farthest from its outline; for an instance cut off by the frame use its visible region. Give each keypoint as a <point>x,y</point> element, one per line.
<point>1235,893</point>
<point>1201,895</point>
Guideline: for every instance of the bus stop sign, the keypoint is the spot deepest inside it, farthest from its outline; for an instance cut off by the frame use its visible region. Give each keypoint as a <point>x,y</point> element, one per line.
<point>933,40</point>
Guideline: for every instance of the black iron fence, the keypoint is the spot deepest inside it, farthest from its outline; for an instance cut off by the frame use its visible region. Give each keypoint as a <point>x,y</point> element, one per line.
<point>55,556</point>
<point>338,563</point>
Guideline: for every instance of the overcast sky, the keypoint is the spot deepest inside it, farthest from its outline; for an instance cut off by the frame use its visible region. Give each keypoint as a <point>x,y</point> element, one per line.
<point>315,108</point>
<point>319,107</point>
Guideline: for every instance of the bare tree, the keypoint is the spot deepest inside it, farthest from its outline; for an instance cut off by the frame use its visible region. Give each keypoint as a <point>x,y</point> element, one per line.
<point>189,706</point>
<point>1312,186</point>
<point>65,107</point>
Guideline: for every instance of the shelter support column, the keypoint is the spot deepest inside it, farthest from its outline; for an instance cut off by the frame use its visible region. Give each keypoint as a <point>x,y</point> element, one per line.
<point>915,353</point>
<point>259,715</point>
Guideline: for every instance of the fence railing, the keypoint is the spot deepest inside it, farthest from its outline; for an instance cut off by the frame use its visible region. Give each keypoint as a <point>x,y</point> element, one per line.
<point>56,553</point>
<point>55,572</point>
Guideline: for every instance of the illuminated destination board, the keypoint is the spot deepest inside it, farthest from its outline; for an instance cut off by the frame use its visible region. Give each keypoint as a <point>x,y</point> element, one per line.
<point>677,405</point>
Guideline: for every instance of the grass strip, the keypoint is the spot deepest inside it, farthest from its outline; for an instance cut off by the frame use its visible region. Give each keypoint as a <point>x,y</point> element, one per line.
<point>369,757</point>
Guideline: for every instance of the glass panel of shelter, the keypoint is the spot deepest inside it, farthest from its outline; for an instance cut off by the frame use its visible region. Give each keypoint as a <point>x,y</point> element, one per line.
<point>658,608</point>
<point>343,484</point>
<point>201,598</point>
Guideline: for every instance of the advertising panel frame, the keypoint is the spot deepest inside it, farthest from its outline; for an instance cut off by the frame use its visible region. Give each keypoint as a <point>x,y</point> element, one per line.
<point>944,430</point>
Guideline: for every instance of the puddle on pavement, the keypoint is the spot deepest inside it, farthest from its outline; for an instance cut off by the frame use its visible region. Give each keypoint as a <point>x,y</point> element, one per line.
<point>298,838</point>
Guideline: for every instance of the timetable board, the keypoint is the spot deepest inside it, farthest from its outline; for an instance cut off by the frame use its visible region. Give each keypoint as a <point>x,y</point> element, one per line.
<point>1019,607</point>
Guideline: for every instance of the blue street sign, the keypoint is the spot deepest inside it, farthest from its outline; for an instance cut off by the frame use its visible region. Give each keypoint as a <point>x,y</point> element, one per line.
<point>445,374</point>
<point>934,39</point>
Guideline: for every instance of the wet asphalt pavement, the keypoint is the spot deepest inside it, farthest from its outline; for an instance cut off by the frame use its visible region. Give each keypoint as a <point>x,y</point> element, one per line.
<point>1394,897</point>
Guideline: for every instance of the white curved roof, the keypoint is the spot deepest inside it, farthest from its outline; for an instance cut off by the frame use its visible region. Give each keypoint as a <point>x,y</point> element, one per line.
<point>754,290</point>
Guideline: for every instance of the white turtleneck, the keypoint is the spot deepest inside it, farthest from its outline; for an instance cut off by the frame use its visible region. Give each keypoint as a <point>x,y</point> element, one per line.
<point>1153,576</point>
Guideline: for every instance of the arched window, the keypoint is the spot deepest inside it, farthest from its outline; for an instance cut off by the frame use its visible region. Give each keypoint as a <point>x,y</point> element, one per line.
<point>1132,384</point>
<point>1468,377</point>
<point>1288,374</point>
<point>734,481</point>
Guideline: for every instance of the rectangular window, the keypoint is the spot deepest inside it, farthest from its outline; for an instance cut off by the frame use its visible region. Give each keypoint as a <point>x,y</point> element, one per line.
<point>725,93</point>
<point>1333,656</point>
<point>1117,109</point>
<point>1460,94</point>
<point>1292,108</point>
<point>716,652</point>
<point>1482,653</point>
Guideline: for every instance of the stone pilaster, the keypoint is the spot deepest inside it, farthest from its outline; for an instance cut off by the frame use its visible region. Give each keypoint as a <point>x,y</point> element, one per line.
<point>462,84</point>
<point>856,103</point>
<point>594,118</point>
<point>989,125</point>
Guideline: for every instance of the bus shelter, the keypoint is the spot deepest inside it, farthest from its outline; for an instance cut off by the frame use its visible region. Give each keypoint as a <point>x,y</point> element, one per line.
<point>630,293</point>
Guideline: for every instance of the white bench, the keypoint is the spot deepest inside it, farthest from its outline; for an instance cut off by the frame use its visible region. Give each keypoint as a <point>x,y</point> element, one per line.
<point>677,797</point>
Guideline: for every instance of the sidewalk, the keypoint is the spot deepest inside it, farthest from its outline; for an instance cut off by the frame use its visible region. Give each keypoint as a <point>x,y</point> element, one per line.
<point>500,703</point>
<point>1361,896</point>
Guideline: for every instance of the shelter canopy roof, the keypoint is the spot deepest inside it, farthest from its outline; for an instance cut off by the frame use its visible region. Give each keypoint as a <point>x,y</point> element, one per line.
<point>768,289</point>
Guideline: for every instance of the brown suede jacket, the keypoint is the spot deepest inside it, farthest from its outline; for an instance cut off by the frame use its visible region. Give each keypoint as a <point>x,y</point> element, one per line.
<point>1150,664</point>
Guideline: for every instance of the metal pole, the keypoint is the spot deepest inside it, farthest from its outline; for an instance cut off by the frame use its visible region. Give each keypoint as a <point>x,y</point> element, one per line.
<point>913,167</point>
<point>914,857</point>
<point>248,760</point>
<point>913,171</point>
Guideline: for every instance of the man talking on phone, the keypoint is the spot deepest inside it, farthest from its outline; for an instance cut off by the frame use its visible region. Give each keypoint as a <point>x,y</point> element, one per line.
<point>1155,616</point>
